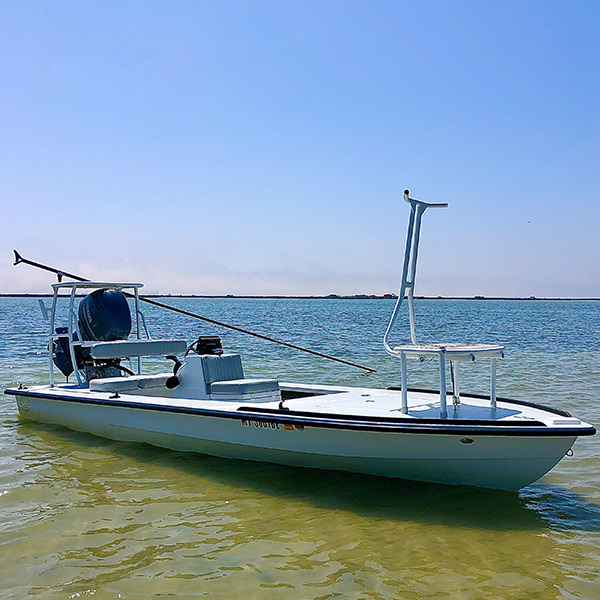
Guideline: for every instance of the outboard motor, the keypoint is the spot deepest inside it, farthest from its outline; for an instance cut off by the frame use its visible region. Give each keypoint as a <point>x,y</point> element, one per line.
<point>104,316</point>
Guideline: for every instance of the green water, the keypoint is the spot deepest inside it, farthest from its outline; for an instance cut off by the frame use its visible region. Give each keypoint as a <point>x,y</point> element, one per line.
<point>85,517</point>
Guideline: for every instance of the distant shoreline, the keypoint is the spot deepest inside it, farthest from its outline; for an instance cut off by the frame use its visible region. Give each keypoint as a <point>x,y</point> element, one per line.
<point>328,297</point>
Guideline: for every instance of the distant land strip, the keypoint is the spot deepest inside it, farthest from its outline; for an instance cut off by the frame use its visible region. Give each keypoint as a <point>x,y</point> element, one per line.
<point>327,297</point>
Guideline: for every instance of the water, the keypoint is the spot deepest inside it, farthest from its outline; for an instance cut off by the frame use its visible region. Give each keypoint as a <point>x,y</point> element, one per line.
<point>85,517</point>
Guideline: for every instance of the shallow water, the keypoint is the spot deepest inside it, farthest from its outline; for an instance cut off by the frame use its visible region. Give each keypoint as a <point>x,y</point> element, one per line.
<point>82,516</point>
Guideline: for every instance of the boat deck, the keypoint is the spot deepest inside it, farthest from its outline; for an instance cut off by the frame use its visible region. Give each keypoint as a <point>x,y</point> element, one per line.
<point>422,405</point>
<point>333,402</point>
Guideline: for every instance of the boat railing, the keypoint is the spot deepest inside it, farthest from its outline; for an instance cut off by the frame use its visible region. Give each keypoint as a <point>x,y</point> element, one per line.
<point>452,353</point>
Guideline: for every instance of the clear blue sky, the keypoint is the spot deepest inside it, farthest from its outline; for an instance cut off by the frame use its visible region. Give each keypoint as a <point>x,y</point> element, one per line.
<point>261,147</point>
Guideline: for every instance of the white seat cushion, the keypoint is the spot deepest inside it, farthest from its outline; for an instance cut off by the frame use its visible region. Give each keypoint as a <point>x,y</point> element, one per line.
<point>129,384</point>
<point>222,368</point>
<point>128,348</point>
<point>240,387</point>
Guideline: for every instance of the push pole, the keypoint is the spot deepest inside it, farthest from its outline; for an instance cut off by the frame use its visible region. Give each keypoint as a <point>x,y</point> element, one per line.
<point>60,274</point>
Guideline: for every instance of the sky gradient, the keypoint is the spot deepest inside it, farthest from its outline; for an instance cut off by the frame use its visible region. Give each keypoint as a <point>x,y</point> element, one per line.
<point>262,147</point>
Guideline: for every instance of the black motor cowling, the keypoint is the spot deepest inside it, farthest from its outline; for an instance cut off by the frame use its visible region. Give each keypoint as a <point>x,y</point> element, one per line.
<point>104,316</point>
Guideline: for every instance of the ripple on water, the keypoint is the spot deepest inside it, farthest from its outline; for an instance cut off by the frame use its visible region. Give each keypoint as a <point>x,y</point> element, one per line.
<point>88,517</point>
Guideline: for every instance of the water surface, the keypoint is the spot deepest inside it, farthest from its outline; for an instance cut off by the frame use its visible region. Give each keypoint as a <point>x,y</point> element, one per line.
<point>83,516</point>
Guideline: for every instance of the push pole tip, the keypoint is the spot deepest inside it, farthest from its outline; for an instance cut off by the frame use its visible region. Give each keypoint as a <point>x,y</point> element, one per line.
<point>18,258</point>
<point>406,193</point>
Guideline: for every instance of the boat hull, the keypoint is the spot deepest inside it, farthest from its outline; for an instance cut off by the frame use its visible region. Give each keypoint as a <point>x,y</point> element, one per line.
<point>507,460</point>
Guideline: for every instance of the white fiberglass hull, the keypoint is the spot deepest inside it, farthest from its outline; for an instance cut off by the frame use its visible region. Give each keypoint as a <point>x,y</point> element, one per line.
<point>505,459</point>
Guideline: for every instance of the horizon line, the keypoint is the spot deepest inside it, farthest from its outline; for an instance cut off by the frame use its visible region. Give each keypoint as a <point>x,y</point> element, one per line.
<point>319,297</point>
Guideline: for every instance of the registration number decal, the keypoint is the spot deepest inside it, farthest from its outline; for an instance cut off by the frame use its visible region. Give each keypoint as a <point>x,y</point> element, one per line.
<point>270,425</point>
